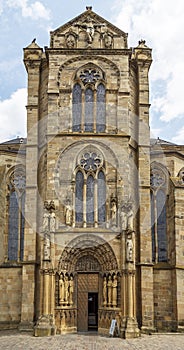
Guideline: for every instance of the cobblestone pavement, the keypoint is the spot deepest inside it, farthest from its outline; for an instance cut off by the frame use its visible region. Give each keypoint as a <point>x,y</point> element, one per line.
<point>14,341</point>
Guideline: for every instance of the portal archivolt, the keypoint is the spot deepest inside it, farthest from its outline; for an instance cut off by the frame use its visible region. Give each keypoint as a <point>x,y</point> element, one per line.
<point>91,246</point>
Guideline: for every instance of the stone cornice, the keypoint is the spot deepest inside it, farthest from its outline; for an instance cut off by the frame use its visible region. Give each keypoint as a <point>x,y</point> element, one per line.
<point>87,52</point>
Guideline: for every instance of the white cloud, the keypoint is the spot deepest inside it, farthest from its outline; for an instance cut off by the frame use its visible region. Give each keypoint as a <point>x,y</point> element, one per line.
<point>161,24</point>
<point>35,10</point>
<point>179,138</point>
<point>13,115</point>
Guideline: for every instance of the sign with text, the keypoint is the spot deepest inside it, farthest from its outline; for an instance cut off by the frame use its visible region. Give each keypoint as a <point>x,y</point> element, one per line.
<point>114,329</point>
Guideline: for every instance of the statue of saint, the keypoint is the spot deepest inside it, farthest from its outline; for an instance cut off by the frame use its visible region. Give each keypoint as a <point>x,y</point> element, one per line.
<point>129,248</point>
<point>46,217</point>
<point>71,291</point>
<point>61,290</point>
<point>130,216</point>
<point>107,40</point>
<point>52,221</point>
<point>68,213</point>
<point>66,284</point>
<point>114,290</point>
<point>104,291</point>
<point>46,252</point>
<point>70,41</point>
<point>109,290</point>
<point>124,219</point>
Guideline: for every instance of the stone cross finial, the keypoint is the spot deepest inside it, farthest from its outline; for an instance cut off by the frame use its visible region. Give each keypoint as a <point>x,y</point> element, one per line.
<point>88,8</point>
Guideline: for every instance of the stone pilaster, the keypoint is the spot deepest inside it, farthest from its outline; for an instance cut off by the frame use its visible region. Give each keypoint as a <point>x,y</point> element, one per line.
<point>32,60</point>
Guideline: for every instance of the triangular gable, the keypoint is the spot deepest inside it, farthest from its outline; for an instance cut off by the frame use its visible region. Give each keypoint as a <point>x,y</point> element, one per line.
<point>86,27</point>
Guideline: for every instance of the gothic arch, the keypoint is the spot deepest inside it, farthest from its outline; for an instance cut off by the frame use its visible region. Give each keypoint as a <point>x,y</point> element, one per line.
<point>99,145</point>
<point>159,170</point>
<point>88,57</point>
<point>181,176</point>
<point>88,244</point>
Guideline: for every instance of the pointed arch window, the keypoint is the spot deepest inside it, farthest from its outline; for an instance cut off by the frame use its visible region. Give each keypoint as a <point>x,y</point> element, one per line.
<point>100,113</point>
<point>88,101</point>
<point>159,216</point>
<point>16,214</point>
<point>77,107</point>
<point>89,106</point>
<point>90,191</point>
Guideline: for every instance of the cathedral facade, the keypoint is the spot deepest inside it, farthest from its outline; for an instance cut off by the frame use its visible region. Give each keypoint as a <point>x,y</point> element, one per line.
<point>92,209</point>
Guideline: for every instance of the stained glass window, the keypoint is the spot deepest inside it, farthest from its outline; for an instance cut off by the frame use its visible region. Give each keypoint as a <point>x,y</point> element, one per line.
<point>161,226</point>
<point>77,107</point>
<point>22,226</point>
<point>89,105</point>
<point>13,227</point>
<point>79,197</point>
<point>90,192</point>
<point>100,111</point>
<point>90,199</point>
<point>153,226</point>
<point>158,216</point>
<point>101,197</point>
<point>16,221</point>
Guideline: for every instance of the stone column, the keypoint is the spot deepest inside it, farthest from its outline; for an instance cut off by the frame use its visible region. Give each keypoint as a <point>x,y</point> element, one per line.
<point>143,61</point>
<point>32,60</point>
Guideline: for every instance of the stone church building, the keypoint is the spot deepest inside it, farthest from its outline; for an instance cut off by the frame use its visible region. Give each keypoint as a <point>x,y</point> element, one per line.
<point>92,209</point>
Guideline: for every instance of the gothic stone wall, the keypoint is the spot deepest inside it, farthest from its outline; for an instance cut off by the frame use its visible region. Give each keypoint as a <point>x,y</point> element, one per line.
<point>11,295</point>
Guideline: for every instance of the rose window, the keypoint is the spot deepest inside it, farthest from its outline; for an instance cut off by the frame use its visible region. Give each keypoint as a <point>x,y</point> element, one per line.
<point>90,76</point>
<point>91,161</point>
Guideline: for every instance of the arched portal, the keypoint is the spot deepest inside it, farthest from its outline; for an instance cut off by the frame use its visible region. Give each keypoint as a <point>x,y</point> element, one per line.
<point>86,261</point>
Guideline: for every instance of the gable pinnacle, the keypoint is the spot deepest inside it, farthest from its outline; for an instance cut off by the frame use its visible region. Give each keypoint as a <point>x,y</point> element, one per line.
<point>88,8</point>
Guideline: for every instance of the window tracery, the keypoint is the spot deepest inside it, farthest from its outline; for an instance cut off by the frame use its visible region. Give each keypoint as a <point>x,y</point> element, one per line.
<point>90,190</point>
<point>88,100</point>
<point>158,199</point>
<point>90,75</point>
<point>16,213</point>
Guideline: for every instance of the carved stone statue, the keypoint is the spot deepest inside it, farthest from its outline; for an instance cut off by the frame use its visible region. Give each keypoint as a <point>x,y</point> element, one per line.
<point>61,290</point>
<point>46,252</point>
<point>46,217</point>
<point>90,25</point>
<point>130,216</point>
<point>66,284</point>
<point>71,283</point>
<point>52,222</point>
<point>109,290</point>
<point>107,40</point>
<point>127,216</point>
<point>49,217</point>
<point>104,291</point>
<point>113,210</point>
<point>124,218</point>
<point>129,248</point>
<point>114,290</point>
<point>70,41</point>
<point>68,213</point>
<point>90,30</point>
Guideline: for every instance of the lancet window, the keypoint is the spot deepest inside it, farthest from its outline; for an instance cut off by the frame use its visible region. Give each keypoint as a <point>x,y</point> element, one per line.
<point>16,212</point>
<point>159,215</point>
<point>90,190</point>
<point>88,101</point>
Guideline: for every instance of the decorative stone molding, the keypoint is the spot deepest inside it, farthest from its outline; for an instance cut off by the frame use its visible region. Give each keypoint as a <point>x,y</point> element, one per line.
<point>91,245</point>
<point>181,176</point>
<point>70,39</point>
<point>157,178</point>
<point>49,217</point>
<point>127,217</point>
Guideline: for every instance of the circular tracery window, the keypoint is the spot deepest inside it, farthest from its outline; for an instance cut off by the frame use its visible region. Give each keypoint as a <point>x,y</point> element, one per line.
<point>90,161</point>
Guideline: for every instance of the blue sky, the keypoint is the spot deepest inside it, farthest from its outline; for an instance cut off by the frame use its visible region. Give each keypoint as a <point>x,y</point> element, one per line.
<point>159,22</point>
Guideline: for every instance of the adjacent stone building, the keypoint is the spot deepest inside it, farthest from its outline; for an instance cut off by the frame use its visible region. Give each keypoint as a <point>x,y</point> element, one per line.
<point>92,210</point>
